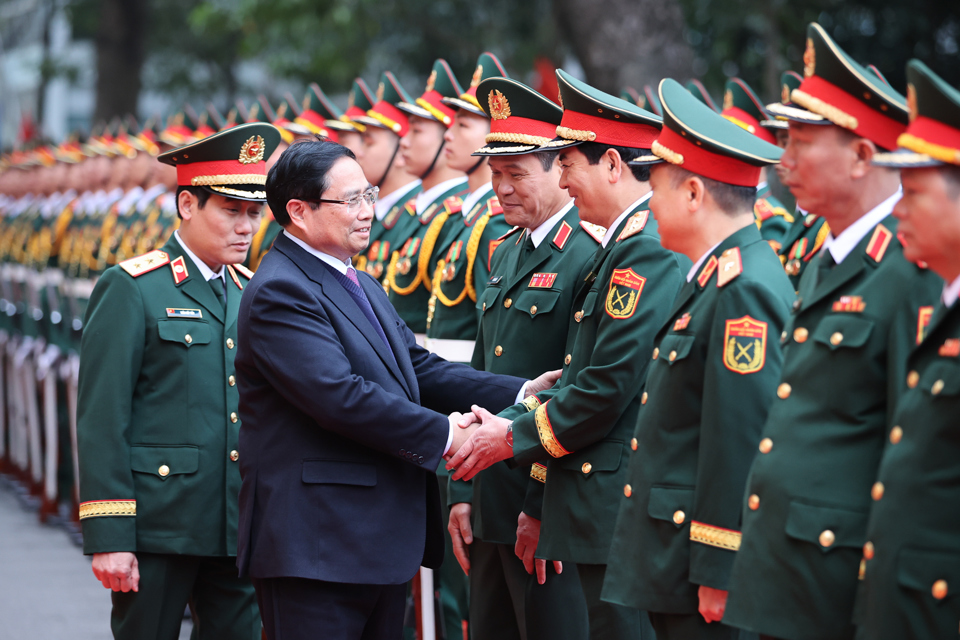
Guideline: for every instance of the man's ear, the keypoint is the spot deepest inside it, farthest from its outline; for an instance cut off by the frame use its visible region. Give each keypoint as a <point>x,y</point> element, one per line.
<point>865,150</point>
<point>296,209</point>
<point>188,205</point>
<point>613,163</point>
<point>695,192</point>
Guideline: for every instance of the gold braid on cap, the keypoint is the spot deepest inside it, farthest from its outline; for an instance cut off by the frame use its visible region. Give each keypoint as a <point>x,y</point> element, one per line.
<point>432,110</point>
<point>393,125</point>
<point>223,178</point>
<point>669,155</point>
<point>576,134</point>
<point>516,138</point>
<point>935,151</point>
<point>828,111</point>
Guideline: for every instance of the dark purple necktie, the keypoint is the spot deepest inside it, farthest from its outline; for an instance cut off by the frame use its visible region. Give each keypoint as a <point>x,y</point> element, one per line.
<point>352,285</point>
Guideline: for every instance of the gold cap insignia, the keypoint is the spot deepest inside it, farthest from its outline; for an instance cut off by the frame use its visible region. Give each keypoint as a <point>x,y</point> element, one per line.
<point>727,100</point>
<point>499,107</point>
<point>912,102</point>
<point>809,59</point>
<point>252,150</point>
<point>306,102</point>
<point>477,76</point>
<point>432,80</point>
<point>785,94</point>
<point>351,100</point>
<point>380,90</point>
<point>560,99</point>
<point>281,110</point>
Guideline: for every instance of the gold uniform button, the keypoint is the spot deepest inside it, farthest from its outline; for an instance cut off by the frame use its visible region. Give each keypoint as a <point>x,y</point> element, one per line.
<point>188,339</point>
<point>643,398</point>
<point>587,467</point>
<point>896,434</point>
<point>800,334</point>
<point>672,356</point>
<point>836,338</point>
<point>507,303</point>
<point>679,517</point>
<point>656,352</point>
<point>937,387</point>
<point>633,444</point>
<point>164,470</point>
<point>533,310</point>
<point>753,502</point>
<point>912,379</point>
<point>233,416</point>
<point>939,589</point>
<point>498,351</point>
<point>868,550</point>
<point>229,343</point>
<point>578,316</point>
<point>766,445</point>
<point>783,391</point>
<point>876,492</point>
<point>627,490</point>
<point>234,455</point>
<point>484,307</point>
<point>827,538</point>
<point>567,359</point>
<point>232,380</point>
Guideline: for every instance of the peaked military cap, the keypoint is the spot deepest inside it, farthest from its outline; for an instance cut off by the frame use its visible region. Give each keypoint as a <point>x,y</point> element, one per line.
<point>319,114</point>
<point>176,133</point>
<point>842,92</point>
<point>441,84</point>
<point>742,107</point>
<point>703,142</point>
<point>933,136</point>
<point>291,111</point>
<point>696,88</point>
<point>629,94</point>
<point>359,101</point>
<point>521,120</point>
<point>231,163</point>
<point>384,113</point>
<point>488,66</point>
<point>199,121</point>
<point>651,101</point>
<point>590,115</point>
<point>789,80</point>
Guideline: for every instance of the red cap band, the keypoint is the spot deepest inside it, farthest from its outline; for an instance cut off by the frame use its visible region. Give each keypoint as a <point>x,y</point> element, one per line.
<point>354,111</point>
<point>930,130</point>
<point>524,126</point>
<point>870,123</point>
<point>618,134</point>
<point>708,164</point>
<point>222,169</point>
<point>435,100</point>
<point>739,117</point>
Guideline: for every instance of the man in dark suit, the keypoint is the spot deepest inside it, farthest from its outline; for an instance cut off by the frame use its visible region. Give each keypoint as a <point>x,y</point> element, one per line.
<point>339,504</point>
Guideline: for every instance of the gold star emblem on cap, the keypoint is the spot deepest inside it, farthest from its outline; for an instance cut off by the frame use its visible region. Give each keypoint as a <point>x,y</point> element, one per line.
<point>477,76</point>
<point>727,99</point>
<point>432,80</point>
<point>809,59</point>
<point>499,106</point>
<point>912,102</point>
<point>252,150</point>
<point>380,90</point>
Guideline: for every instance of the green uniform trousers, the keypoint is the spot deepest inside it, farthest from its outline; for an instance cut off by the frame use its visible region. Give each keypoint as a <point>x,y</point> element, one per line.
<point>224,606</point>
<point>449,580</point>
<point>607,620</point>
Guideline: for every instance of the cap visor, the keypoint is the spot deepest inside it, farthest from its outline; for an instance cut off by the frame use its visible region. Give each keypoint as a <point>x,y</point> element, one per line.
<point>905,159</point>
<point>560,143</point>
<point>796,114</point>
<point>416,110</point>
<point>466,106</point>
<point>645,161</point>
<point>775,124</point>
<point>505,149</point>
<point>239,192</point>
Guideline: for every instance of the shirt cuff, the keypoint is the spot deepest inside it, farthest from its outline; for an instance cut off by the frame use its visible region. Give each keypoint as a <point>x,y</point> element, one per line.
<point>446,449</point>
<point>522,394</point>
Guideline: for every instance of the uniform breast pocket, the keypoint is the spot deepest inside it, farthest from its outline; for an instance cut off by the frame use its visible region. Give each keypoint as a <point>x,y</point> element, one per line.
<point>941,379</point>
<point>488,298</point>
<point>603,456</point>
<point>675,348</point>
<point>188,333</point>
<point>840,332</point>
<point>670,504</point>
<point>164,461</point>
<point>537,302</point>
<point>827,527</point>
<point>929,582</point>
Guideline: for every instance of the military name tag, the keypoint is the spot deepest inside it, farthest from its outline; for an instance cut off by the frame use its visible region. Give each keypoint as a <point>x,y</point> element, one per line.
<point>184,313</point>
<point>542,280</point>
<point>849,304</point>
<point>745,341</point>
<point>494,280</point>
<point>625,289</point>
<point>950,348</point>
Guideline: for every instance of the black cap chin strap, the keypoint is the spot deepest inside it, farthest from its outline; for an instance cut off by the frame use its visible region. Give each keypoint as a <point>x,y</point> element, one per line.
<point>396,150</point>
<point>476,166</point>
<point>435,158</point>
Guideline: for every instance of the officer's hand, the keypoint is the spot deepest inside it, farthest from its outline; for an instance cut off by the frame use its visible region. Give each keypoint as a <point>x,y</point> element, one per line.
<point>713,603</point>
<point>118,570</point>
<point>487,446</point>
<point>528,535</point>
<point>542,382</point>
<point>461,534</point>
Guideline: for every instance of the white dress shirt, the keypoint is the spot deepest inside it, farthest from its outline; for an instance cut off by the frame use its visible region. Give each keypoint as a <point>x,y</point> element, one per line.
<point>207,273</point>
<point>951,291</point>
<point>474,196</point>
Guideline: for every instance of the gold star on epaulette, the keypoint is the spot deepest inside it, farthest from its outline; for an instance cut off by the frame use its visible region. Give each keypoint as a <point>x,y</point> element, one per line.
<point>145,263</point>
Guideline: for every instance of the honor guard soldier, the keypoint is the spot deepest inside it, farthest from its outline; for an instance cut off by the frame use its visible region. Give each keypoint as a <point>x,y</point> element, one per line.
<point>580,428</point>
<point>394,212</point>
<point>805,236</point>
<point>537,268</point>
<point>158,422</point>
<point>742,107</point>
<point>911,559</point>
<point>861,308</point>
<point>715,367</point>
<point>438,205</point>
<point>463,265</point>
<point>359,101</point>
<point>320,115</point>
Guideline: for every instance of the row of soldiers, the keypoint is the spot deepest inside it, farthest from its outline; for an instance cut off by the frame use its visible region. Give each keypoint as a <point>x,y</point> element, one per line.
<point>643,472</point>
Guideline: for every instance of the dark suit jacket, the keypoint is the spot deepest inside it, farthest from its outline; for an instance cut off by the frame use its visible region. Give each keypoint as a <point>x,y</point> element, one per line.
<point>338,447</point>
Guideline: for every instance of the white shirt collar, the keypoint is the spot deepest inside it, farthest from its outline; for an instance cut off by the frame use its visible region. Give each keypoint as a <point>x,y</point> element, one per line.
<point>205,271</point>
<point>424,198</point>
<point>149,196</point>
<point>616,223</point>
<point>951,291</point>
<point>841,246</point>
<point>474,197</point>
<point>336,263</point>
<point>129,199</point>
<point>538,234</point>
<point>699,263</point>
<point>385,203</point>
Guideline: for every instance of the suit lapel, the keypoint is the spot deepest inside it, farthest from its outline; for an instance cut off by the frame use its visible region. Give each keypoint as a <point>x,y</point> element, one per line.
<point>374,293</point>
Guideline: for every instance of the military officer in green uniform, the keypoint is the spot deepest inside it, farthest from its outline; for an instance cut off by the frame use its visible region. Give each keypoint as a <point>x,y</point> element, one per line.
<point>742,107</point>
<point>582,426</point>
<point>157,415</point>
<point>716,364</point>
<point>861,308</point>
<point>437,206</point>
<point>805,236</point>
<point>911,560</point>
<point>524,319</point>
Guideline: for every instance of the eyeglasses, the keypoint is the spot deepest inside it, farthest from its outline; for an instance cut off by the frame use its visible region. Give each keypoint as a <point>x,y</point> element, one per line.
<point>353,204</point>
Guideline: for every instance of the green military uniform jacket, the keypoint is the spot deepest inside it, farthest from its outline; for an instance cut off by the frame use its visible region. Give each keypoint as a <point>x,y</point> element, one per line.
<point>772,217</point>
<point>582,426</point>
<point>157,416</point>
<point>808,497</point>
<point>399,223</point>
<point>801,244</point>
<point>911,584</point>
<point>410,273</point>
<point>525,313</point>
<point>713,375</point>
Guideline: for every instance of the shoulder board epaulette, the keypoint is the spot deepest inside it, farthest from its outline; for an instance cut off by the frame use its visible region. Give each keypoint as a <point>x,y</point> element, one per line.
<point>427,216</point>
<point>762,209</point>
<point>392,217</point>
<point>453,204</point>
<point>595,231</point>
<point>508,234</point>
<point>493,206</point>
<point>242,269</point>
<point>179,268</point>
<point>635,225</point>
<point>707,271</point>
<point>810,219</point>
<point>729,266</point>
<point>562,235</point>
<point>145,263</point>
<point>474,213</point>
<point>879,243</point>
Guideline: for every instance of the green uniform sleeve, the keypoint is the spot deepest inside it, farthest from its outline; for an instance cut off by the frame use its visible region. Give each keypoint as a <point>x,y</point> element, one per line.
<point>459,491</point>
<point>533,500</point>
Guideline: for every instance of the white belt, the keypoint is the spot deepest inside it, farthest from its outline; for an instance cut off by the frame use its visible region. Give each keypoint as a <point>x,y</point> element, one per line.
<point>452,350</point>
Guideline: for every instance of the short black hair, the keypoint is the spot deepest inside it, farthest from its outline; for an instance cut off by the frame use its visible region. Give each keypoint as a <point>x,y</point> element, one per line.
<point>595,150</point>
<point>732,199</point>
<point>951,175</point>
<point>301,173</point>
<point>201,194</point>
<point>547,158</point>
